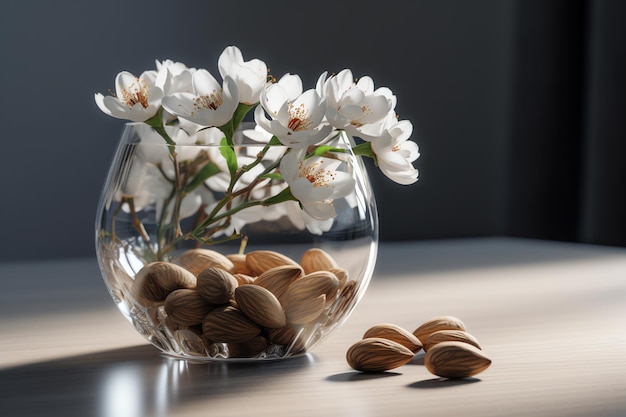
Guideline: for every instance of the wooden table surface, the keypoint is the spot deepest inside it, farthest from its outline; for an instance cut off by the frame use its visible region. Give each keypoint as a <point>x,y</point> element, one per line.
<point>552,317</point>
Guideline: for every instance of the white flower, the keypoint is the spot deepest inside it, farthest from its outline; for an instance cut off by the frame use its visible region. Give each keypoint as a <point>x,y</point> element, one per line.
<point>395,153</point>
<point>190,145</point>
<point>320,86</point>
<point>296,123</point>
<point>258,134</point>
<point>147,185</point>
<point>291,89</point>
<point>356,107</point>
<point>181,168</point>
<point>300,219</point>
<point>237,221</point>
<point>179,80</point>
<point>315,183</point>
<point>154,151</point>
<point>221,181</point>
<point>136,99</point>
<point>250,76</point>
<point>291,85</point>
<point>209,104</point>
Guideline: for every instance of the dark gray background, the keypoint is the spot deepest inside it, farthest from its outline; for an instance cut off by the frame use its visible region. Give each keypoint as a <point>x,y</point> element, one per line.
<point>491,86</point>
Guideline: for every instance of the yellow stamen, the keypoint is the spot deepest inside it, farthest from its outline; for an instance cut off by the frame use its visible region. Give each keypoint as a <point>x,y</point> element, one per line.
<point>136,93</point>
<point>317,176</point>
<point>298,118</point>
<point>211,101</point>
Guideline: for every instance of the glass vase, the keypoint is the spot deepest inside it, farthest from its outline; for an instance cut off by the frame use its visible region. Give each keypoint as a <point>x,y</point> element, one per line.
<point>208,255</point>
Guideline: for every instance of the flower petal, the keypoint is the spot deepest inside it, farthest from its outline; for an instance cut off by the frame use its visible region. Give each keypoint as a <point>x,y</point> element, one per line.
<point>204,84</point>
<point>320,85</point>
<point>273,97</point>
<point>319,210</point>
<point>261,119</point>
<point>365,84</point>
<point>258,134</point>
<point>100,102</point>
<point>230,101</point>
<point>121,111</point>
<point>180,104</point>
<point>124,81</point>
<point>291,85</point>
<point>229,61</point>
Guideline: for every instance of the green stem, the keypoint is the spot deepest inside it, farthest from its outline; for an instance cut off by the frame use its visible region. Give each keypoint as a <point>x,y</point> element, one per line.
<point>228,213</point>
<point>230,195</point>
<point>259,157</point>
<point>240,113</point>
<point>365,149</point>
<point>234,236</point>
<point>169,234</point>
<point>284,195</point>
<point>177,195</point>
<point>156,122</point>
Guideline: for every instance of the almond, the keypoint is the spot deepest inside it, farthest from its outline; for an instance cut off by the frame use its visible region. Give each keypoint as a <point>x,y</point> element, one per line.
<point>455,360</point>
<point>186,307</point>
<point>341,274</point>
<point>216,285</point>
<point>450,336</point>
<point>345,300</point>
<point>312,285</point>
<point>283,335</point>
<point>375,354</point>
<point>229,325</point>
<point>240,266</point>
<point>277,279</point>
<point>290,336</point>
<point>190,342</point>
<point>436,324</point>
<point>303,310</point>
<point>243,279</point>
<point>172,325</point>
<point>260,306</point>
<point>261,260</point>
<point>197,260</point>
<point>156,280</point>
<point>394,333</point>
<point>316,259</point>
<point>247,349</point>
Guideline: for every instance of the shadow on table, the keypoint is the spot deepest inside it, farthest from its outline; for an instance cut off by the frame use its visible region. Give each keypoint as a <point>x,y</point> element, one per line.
<point>353,376</point>
<point>442,383</point>
<point>136,381</point>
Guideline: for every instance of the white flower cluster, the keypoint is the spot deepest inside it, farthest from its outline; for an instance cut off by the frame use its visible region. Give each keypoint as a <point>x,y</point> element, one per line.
<point>209,110</point>
<point>297,118</point>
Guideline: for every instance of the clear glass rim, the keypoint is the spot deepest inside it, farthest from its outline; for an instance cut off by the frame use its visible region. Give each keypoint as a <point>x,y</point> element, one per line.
<point>240,140</point>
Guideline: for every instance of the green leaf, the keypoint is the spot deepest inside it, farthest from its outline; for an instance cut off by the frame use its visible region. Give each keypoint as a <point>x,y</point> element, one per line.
<point>240,112</point>
<point>365,149</point>
<point>284,195</point>
<point>207,171</point>
<point>157,119</point>
<point>228,152</point>
<point>321,150</point>
<point>274,141</point>
<point>156,122</point>
<point>272,176</point>
<point>227,130</point>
